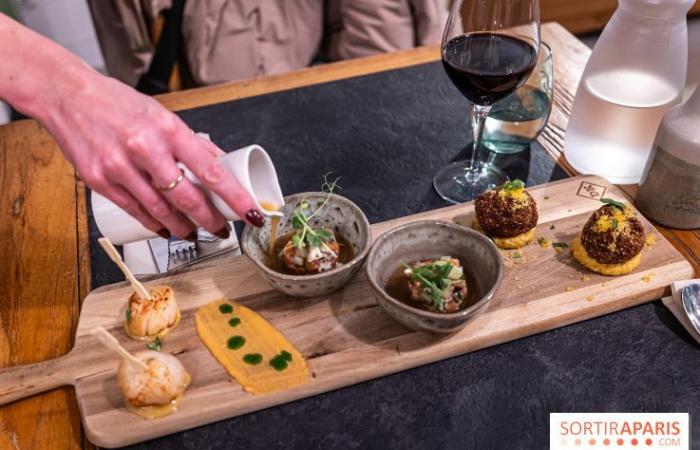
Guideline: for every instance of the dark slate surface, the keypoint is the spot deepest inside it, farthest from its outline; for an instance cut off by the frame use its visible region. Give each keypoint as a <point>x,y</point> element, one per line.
<point>386,134</point>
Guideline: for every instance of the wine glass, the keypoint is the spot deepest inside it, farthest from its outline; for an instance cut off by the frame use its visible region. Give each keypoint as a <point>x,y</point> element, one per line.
<point>489,56</point>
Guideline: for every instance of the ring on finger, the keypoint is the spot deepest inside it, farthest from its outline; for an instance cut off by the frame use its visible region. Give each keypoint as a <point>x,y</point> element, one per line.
<point>172,184</point>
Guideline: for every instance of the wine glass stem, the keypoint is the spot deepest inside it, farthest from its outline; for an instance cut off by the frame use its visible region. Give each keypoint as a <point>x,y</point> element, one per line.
<point>478,120</point>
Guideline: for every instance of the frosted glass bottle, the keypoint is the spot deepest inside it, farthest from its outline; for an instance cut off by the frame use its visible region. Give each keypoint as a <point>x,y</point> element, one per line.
<point>670,189</point>
<point>635,74</point>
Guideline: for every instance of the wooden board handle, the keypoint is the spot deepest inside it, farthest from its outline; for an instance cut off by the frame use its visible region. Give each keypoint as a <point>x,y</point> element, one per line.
<point>24,381</point>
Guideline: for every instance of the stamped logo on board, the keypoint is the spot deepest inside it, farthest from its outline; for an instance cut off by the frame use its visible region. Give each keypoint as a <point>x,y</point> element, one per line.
<point>591,190</point>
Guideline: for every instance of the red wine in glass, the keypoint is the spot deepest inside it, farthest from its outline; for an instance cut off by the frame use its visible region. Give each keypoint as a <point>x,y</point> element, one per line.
<point>489,49</point>
<point>487,67</point>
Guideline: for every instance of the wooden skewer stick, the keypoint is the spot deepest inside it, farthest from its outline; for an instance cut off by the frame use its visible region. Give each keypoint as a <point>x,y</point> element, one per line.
<point>116,257</point>
<point>111,343</point>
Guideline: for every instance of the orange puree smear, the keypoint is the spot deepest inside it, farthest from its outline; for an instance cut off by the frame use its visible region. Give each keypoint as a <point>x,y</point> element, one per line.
<point>260,338</point>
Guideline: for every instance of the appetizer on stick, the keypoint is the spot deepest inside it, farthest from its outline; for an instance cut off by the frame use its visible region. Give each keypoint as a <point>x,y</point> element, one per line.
<point>154,317</point>
<point>508,215</point>
<point>152,383</point>
<point>156,390</point>
<point>149,314</point>
<point>437,285</point>
<point>611,241</point>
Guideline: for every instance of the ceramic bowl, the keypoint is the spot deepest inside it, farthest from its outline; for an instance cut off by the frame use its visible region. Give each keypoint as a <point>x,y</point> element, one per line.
<point>431,239</point>
<point>340,215</point>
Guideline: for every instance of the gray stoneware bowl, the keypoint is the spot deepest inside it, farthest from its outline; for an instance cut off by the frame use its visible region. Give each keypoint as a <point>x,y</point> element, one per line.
<point>431,239</point>
<point>340,215</point>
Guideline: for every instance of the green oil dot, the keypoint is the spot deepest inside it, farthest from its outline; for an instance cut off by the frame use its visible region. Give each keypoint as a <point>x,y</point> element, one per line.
<point>286,356</point>
<point>226,308</point>
<point>280,362</point>
<point>234,322</point>
<point>253,359</point>
<point>236,342</point>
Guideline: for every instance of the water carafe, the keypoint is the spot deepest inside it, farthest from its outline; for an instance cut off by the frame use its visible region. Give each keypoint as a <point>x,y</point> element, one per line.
<point>635,74</point>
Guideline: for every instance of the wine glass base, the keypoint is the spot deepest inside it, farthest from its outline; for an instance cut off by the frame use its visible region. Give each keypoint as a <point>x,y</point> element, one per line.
<point>456,185</point>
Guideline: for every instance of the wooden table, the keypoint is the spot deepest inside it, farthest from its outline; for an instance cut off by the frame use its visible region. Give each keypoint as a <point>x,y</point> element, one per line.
<point>44,238</point>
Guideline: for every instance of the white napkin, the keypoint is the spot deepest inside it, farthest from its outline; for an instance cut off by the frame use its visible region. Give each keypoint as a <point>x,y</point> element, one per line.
<point>139,259</point>
<point>152,256</point>
<point>675,305</point>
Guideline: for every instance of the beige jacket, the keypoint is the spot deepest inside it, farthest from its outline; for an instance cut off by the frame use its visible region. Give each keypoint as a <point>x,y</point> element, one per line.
<point>233,39</point>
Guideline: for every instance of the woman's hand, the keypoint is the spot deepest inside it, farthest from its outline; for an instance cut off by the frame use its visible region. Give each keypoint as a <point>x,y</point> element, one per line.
<point>123,144</point>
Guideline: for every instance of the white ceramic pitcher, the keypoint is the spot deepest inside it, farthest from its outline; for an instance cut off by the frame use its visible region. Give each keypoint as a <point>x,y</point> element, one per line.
<point>251,166</point>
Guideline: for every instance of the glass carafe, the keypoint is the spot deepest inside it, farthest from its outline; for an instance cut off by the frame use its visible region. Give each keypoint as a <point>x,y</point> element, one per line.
<point>635,74</point>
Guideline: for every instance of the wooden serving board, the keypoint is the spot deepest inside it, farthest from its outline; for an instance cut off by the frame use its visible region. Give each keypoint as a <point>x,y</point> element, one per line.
<point>345,337</point>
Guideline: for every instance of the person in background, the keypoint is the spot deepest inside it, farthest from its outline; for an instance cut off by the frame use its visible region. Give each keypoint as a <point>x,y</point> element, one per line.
<point>224,40</point>
<point>126,146</point>
<point>123,144</point>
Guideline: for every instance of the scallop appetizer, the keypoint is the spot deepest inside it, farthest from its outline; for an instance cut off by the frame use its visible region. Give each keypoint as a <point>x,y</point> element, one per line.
<point>154,391</point>
<point>611,241</point>
<point>507,214</point>
<point>436,285</point>
<point>149,319</point>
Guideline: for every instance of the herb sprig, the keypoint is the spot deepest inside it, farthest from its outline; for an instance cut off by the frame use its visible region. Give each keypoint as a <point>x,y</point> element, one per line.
<point>613,203</point>
<point>304,232</point>
<point>155,345</point>
<point>435,278</point>
<point>513,185</point>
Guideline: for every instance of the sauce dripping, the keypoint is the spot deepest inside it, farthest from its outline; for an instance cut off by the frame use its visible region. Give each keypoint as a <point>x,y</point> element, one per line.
<point>274,224</point>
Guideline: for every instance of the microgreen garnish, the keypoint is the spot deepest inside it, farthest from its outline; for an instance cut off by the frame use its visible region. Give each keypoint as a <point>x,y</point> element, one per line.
<point>435,278</point>
<point>304,233</point>
<point>155,345</point>
<point>560,245</point>
<point>613,203</point>
<point>513,185</point>
<point>613,224</point>
<point>128,314</point>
